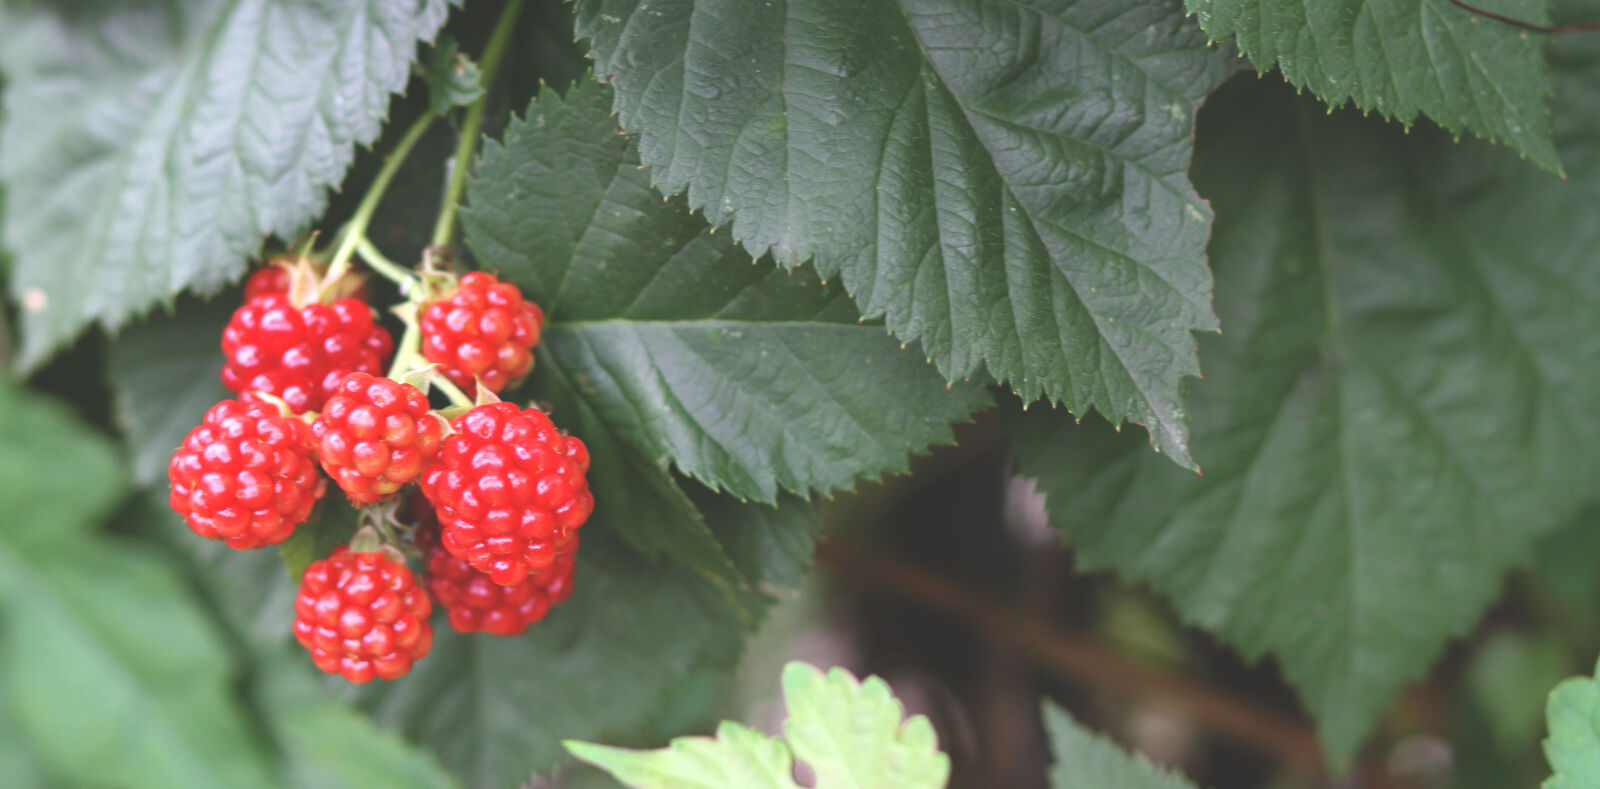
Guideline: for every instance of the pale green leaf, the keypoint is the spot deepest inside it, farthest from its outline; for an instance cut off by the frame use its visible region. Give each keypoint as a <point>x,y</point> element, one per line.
<point>852,734</point>
<point>1002,182</point>
<point>148,148</point>
<point>1085,760</point>
<point>1573,745</point>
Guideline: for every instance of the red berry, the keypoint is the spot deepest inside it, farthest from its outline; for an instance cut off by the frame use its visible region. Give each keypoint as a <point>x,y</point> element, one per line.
<point>509,490</point>
<point>477,604</point>
<point>374,434</point>
<point>279,277</point>
<point>362,615</point>
<point>301,354</point>
<point>246,475</point>
<point>266,281</point>
<point>485,329</point>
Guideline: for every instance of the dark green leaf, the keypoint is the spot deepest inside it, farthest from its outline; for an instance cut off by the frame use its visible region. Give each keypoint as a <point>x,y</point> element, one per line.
<point>149,147</point>
<point>453,79</point>
<point>1401,404</point>
<point>1402,58</point>
<point>744,376</point>
<point>1003,182</point>
<point>1085,760</point>
<point>332,526</point>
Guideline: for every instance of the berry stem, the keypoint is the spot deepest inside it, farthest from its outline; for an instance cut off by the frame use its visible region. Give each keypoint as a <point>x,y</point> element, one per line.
<point>356,229</point>
<point>408,354</point>
<point>444,230</point>
<point>386,268</point>
<point>457,397</point>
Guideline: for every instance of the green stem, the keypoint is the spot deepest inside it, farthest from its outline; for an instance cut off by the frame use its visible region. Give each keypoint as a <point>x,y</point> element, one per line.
<point>386,268</point>
<point>409,354</point>
<point>444,230</point>
<point>457,397</point>
<point>356,229</point>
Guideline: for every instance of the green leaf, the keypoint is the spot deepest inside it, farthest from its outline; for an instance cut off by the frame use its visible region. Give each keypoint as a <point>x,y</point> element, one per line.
<point>58,477</point>
<point>149,147</point>
<point>850,733</point>
<point>165,374</point>
<point>746,377</point>
<point>328,745</point>
<point>1003,182</point>
<point>453,79</point>
<point>116,675</point>
<point>107,664</point>
<point>1401,404</point>
<point>332,526</point>
<point>19,764</point>
<point>1404,58</point>
<point>1573,747</point>
<point>495,709</point>
<point>1085,760</point>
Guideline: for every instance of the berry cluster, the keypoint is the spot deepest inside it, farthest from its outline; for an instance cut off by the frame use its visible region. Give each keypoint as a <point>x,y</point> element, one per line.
<point>503,491</point>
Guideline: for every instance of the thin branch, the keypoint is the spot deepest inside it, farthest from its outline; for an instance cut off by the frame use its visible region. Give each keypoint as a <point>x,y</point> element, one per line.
<point>1083,661</point>
<point>1521,25</point>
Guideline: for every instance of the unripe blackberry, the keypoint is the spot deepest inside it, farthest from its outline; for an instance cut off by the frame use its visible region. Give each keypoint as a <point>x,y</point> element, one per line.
<point>362,615</point>
<point>300,355</point>
<point>483,328</point>
<point>246,475</point>
<point>476,603</point>
<point>509,490</point>
<point>374,434</point>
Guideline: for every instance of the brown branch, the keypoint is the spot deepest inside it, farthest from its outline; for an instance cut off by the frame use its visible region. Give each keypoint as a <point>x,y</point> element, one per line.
<point>1085,662</point>
<point>1521,25</point>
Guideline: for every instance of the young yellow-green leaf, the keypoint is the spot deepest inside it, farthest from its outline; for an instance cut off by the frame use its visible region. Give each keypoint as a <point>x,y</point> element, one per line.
<point>1003,182</point>
<point>1404,58</point>
<point>1401,403</point>
<point>1085,760</point>
<point>1573,746</point>
<point>744,376</point>
<point>852,734</point>
<point>149,147</point>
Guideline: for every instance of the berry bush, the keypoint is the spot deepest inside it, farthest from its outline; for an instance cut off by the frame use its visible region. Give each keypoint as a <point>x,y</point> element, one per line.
<point>504,393</point>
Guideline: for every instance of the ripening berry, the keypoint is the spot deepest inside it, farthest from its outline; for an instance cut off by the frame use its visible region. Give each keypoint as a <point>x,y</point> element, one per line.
<point>483,328</point>
<point>362,615</point>
<point>374,434</point>
<point>476,603</point>
<point>300,355</point>
<point>246,475</point>
<point>509,490</point>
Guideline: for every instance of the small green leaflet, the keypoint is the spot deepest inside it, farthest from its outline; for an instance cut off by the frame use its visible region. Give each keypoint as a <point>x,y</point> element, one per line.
<point>453,79</point>
<point>1573,746</point>
<point>1385,297</point>
<point>852,734</point>
<point>1002,182</point>
<point>1085,760</point>
<point>746,377</point>
<point>148,148</point>
<point>1405,57</point>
